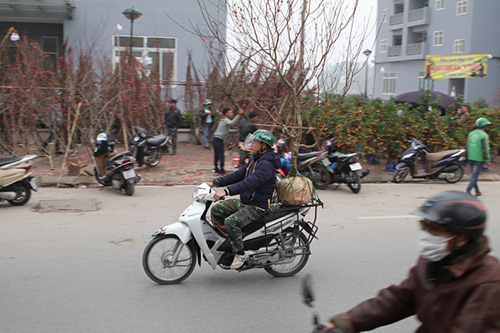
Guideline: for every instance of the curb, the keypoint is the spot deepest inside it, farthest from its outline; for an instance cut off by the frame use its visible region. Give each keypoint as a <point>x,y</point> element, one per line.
<point>194,177</point>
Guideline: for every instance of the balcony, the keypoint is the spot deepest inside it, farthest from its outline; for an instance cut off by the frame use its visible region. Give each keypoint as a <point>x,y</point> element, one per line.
<point>394,51</point>
<point>415,49</point>
<point>418,16</point>
<point>396,19</point>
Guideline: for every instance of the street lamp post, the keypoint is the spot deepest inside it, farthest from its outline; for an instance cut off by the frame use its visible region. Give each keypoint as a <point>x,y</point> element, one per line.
<point>367,53</point>
<point>132,14</point>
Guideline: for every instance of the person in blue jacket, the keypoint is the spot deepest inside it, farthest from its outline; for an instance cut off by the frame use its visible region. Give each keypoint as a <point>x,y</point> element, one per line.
<point>255,183</point>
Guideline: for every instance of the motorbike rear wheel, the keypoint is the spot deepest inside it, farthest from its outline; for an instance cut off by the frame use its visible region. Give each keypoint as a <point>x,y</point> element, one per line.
<point>157,260</point>
<point>354,182</point>
<point>400,175</point>
<point>457,175</point>
<point>321,177</point>
<point>129,187</point>
<point>154,159</point>
<point>23,194</point>
<point>294,246</point>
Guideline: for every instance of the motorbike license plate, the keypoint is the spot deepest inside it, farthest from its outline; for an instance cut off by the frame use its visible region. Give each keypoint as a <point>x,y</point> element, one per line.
<point>33,184</point>
<point>129,174</point>
<point>355,166</point>
<point>326,162</point>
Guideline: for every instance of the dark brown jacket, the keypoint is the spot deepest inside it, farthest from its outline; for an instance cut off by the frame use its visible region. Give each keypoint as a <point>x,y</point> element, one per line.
<point>465,297</point>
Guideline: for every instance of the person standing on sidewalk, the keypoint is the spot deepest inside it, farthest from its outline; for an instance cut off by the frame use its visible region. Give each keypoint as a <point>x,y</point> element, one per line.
<point>478,152</point>
<point>223,129</point>
<point>246,127</point>
<point>173,120</point>
<point>207,119</point>
<point>462,115</point>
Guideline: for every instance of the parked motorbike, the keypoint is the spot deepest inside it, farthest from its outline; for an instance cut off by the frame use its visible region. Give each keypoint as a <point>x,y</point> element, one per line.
<point>114,169</point>
<point>311,165</point>
<point>344,168</point>
<point>279,242</point>
<point>145,148</point>
<point>445,164</point>
<point>16,181</point>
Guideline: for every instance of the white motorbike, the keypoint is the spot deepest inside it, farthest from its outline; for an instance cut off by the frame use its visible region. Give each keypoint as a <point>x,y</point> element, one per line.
<point>16,181</point>
<point>278,242</point>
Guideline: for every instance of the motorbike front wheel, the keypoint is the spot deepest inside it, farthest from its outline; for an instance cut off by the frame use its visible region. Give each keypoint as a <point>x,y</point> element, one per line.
<point>166,260</point>
<point>354,182</point>
<point>457,175</point>
<point>294,251</point>
<point>400,175</point>
<point>23,194</point>
<point>320,177</point>
<point>154,159</point>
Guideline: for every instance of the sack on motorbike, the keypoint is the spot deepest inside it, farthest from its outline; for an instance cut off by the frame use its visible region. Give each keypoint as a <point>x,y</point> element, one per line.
<point>295,191</point>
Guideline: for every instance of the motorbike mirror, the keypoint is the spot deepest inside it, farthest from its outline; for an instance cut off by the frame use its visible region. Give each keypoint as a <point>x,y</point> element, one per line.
<point>307,290</point>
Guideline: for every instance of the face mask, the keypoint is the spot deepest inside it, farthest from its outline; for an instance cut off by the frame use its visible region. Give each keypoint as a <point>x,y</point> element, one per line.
<point>431,247</point>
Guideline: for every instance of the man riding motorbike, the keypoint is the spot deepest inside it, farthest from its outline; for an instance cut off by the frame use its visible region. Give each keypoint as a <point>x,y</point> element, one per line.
<point>255,183</point>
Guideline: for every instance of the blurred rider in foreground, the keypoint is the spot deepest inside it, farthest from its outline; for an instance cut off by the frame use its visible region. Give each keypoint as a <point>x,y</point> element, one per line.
<point>455,285</point>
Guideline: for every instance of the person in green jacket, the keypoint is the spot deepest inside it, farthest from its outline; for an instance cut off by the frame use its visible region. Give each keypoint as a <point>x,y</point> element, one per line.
<point>478,152</point>
<point>223,129</point>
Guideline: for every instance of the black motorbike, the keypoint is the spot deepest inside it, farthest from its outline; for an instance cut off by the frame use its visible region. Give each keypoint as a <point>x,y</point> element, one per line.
<point>344,168</point>
<point>445,164</point>
<point>147,149</point>
<point>114,169</point>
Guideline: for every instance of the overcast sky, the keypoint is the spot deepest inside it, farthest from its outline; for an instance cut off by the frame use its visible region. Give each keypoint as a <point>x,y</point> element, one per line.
<point>367,11</point>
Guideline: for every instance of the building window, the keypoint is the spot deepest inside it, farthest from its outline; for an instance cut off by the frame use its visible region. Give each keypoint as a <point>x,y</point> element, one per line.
<point>423,83</point>
<point>389,83</point>
<point>50,48</point>
<point>462,7</point>
<point>439,4</point>
<point>383,45</point>
<point>157,54</point>
<point>459,46</point>
<point>438,37</point>
<point>385,15</point>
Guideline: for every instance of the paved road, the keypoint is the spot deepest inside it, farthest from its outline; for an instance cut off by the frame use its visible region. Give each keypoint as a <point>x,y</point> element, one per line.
<point>68,271</point>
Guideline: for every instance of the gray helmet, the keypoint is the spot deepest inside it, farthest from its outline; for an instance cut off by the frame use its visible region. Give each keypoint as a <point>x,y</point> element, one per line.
<point>459,211</point>
<point>207,102</point>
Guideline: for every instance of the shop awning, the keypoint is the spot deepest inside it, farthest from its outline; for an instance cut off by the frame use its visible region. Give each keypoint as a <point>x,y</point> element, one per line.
<point>37,9</point>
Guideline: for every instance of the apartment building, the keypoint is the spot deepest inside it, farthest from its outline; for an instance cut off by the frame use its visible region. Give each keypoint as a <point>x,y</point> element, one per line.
<point>162,35</point>
<point>412,29</point>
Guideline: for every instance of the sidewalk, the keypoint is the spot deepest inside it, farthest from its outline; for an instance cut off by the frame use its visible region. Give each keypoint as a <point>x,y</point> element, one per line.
<point>193,165</point>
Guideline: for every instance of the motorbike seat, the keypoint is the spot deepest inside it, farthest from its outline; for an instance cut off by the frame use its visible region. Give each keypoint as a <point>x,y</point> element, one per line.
<point>257,224</point>
<point>270,216</point>
<point>343,157</point>
<point>119,155</point>
<point>156,140</point>
<point>8,160</point>
<point>306,156</point>
<point>433,157</point>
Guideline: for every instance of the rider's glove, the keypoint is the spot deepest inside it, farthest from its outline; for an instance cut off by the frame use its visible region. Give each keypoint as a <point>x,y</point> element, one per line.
<point>323,329</point>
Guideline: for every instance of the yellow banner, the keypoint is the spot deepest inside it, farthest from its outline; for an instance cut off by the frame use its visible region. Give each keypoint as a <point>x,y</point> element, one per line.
<point>455,66</point>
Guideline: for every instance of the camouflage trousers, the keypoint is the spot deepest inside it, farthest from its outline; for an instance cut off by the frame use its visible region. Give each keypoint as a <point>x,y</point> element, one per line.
<point>234,216</point>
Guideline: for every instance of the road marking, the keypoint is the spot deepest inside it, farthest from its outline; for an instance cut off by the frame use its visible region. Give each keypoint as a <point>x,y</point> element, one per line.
<point>386,217</point>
